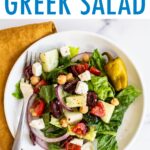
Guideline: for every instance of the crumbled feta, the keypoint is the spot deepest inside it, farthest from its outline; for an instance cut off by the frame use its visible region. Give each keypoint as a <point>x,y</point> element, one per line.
<point>37,69</point>
<point>81,88</point>
<point>38,124</point>
<point>77,141</point>
<point>85,76</point>
<point>65,51</point>
<point>87,146</point>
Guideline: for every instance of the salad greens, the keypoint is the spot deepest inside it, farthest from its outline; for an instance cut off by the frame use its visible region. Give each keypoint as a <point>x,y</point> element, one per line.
<point>106,142</point>
<point>97,60</point>
<point>102,87</point>
<point>51,76</point>
<point>53,146</point>
<point>17,94</point>
<point>126,97</point>
<point>47,92</point>
<point>73,51</point>
<point>60,95</point>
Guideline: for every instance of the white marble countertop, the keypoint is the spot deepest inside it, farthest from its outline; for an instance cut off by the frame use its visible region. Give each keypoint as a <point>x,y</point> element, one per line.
<point>132,35</point>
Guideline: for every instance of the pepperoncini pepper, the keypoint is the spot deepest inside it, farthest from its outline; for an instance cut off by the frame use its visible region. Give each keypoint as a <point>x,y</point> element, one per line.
<point>116,71</point>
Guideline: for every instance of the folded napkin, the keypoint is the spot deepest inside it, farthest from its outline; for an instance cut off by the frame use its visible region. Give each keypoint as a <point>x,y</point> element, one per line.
<point>13,42</point>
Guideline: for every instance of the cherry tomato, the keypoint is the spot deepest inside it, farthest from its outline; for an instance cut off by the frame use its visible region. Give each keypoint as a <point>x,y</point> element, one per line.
<point>80,129</point>
<point>95,71</point>
<point>98,110</point>
<point>70,146</point>
<point>37,108</point>
<point>86,66</point>
<point>81,67</point>
<point>38,85</point>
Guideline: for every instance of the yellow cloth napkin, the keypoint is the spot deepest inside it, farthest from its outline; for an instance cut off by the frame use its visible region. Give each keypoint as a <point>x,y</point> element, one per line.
<point>13,42</point>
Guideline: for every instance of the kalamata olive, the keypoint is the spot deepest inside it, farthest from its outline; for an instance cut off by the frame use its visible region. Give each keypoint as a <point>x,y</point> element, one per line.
<point>91,99</point>
<point>56,109</point>
<point>74,71</point>
<point>71,86</point>
<point>28,72</point>
<point>66,141</point>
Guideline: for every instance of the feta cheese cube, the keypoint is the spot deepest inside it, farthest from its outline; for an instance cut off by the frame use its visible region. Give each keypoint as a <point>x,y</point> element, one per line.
<point>38,124</point>
<point>85,76</point>
<point>65,51</point>
<point>87,146</point>
<point>77,141</point>
<point>81,88</point>
<point>37,69</point>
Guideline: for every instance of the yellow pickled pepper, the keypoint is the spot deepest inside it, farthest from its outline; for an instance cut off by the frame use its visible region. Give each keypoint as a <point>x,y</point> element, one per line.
<point>116,71</point>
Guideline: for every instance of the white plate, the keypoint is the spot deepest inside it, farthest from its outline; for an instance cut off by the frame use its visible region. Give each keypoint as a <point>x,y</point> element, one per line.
<point>86,41</point>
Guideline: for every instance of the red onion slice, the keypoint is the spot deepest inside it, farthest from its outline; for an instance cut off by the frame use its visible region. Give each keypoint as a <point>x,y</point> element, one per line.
<point>39,134</point>
<point>41,143</point>
<point>80,56</point>
<point>58,91</point>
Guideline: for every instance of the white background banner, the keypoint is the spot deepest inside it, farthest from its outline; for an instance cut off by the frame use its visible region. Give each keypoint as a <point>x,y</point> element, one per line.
<point>73,9</point>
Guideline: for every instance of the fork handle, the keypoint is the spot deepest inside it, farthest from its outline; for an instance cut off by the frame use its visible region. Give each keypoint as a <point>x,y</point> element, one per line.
<point>18,136</point>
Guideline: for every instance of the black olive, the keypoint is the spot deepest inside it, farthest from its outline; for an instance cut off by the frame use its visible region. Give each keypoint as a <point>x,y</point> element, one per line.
<point>91,99</point>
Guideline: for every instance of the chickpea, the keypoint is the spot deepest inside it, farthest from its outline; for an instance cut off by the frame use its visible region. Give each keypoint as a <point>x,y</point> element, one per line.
<point>33,112</point>
<point>34,80</point>
<point>64,122</point>
<point>86,57</point>
<point>84,109</point>
<point>70,77</point>
<point>61,79</point>
<point>115,102</point>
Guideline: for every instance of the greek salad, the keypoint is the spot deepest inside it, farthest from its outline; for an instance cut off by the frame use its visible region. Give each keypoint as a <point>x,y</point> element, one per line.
<point>79,99</point>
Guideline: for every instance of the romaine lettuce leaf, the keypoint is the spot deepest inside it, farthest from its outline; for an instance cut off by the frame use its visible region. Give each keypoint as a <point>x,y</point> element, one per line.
<point>101,86</point>
<point>73,51</point>
<point>97,60</point>
<point>107,142</point>
<point>106,133</point>
<point>126,97</point>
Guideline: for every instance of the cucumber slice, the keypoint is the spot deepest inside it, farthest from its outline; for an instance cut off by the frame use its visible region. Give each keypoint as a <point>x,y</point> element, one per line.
<point>109,108</point>
<point>76,101</point>
<point>49,60</point>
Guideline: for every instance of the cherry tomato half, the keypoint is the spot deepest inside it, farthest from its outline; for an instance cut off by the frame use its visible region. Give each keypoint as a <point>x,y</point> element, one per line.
<point>80,129</point>
<point>98,110</point>
<point>38,85</point>
<point>37,108</point>
<point>70,146</point>
<point>95,71</point>
<point>80,68</point>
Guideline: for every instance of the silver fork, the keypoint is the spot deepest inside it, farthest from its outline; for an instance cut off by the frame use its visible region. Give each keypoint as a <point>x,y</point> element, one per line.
<point>27,91</point>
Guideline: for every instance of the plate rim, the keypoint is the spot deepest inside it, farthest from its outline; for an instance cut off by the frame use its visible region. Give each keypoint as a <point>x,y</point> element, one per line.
<point>105,39</point>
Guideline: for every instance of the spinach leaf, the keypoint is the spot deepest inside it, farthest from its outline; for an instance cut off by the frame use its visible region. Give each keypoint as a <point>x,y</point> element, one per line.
<point>54,131</point>
<point>64,60</point>
<point>53,146</point>
<point>97,60</point>
<point>106,142</point>
<point>90,119</point>
<point>46,119</point>
<point>101,86</point>
<point>47,93</point>
<point>17,93</point>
